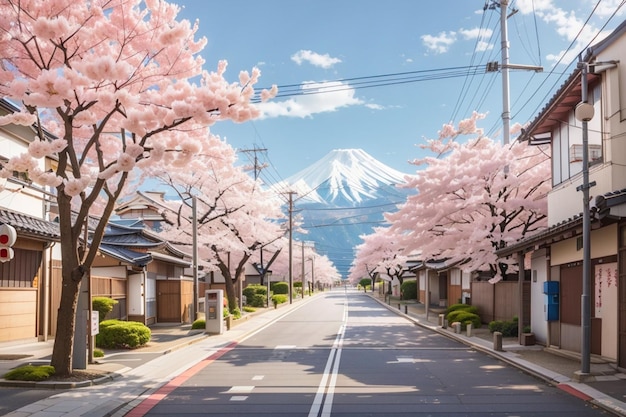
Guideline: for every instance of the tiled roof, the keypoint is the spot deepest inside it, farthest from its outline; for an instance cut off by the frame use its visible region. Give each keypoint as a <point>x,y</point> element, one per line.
<point>560,231</point>
<point>30,226</point>
<point>129,236</point>
<point>126,255</point>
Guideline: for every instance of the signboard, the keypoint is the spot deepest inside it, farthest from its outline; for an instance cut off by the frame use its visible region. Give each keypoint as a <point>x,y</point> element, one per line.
<point>95,323</point>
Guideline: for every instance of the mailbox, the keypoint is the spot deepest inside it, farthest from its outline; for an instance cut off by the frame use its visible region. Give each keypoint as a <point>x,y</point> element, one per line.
<point>214,311</point>
<point>551,307</point>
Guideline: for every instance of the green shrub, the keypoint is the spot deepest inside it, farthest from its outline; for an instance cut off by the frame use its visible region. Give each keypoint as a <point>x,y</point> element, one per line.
<point>198,324</point>
<point>103,305</point>
<point>254,289</point>
<point>236,313</point>
<point>98,353</point>
<point>508,328</point>
<point>365,283</point>
<point>496,326</point>
<point>297,284</point>
<point>256,300</point>
<point>249,309</point>
<point>279,299</point>
<point>464,317</point>
<point>464,307</point>
<point>117,334</point>
<point>280,288</point>
<point>30,373</point>
<point>408,290</point>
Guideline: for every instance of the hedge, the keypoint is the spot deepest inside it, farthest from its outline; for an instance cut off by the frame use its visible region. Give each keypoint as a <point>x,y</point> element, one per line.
<point>508,328</point>
<point>464,317</point>
<point>280,288</point>
<point>103,305</point>
<point>408,289</point>
<point>117,334</point>
<point>464,307</point>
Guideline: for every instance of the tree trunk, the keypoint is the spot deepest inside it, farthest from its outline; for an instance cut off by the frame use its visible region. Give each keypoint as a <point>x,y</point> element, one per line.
<point>66,322</point>
<point>229,283</point>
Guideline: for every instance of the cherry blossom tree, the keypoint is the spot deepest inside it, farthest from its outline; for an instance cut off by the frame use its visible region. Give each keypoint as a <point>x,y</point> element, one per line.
<point>473,198</point>
<point>324,271</point>
<point>326,274</point>
<point>381,253</point>
<point>235,216</point>
<point>121,85</point>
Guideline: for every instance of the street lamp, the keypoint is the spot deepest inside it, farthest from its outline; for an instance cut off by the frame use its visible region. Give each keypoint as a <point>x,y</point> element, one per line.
<point>584,112</point>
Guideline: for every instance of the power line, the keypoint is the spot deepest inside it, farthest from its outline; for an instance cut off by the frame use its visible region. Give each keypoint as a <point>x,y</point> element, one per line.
<point>382,80</point>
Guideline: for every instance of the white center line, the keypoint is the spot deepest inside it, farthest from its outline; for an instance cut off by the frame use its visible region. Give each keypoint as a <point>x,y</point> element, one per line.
<point>332,362</point>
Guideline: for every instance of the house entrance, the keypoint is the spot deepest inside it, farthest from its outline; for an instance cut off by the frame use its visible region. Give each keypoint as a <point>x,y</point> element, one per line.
<point>168,301</point>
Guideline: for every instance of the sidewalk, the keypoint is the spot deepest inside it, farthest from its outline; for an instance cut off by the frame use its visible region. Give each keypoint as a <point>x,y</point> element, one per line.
<point>124,387</point>
<point>605,388</point>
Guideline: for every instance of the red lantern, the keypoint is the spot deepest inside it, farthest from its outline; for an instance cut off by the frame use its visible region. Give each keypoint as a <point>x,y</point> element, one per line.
<point>8,236</point>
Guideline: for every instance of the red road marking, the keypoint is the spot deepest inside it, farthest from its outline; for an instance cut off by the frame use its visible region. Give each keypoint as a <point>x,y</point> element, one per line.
<point>154,398</point>
<point>573,391</point>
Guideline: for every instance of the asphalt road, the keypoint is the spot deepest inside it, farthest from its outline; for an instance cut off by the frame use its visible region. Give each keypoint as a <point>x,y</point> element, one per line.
<point>13,398</point>
<point>345,355</point>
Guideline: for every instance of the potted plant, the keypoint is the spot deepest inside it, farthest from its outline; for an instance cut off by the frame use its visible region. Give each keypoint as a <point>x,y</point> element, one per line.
<point>528,337</point>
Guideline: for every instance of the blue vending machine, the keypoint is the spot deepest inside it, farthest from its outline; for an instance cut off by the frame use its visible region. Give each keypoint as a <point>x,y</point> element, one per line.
<point>551,307</point>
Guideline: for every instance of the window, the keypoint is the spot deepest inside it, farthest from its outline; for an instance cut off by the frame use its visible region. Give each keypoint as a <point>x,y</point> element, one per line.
<point>567,143</point>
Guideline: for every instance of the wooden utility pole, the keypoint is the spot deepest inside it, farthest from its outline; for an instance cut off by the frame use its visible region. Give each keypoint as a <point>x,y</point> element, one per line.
<point>256,167</point>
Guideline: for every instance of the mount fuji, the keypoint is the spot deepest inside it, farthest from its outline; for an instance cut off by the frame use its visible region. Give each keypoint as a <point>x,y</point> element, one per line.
<point>341,197</point>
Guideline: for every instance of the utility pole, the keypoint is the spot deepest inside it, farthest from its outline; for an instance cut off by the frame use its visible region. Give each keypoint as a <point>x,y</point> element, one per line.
<point>312,276</point>
<point>506,116</point>
<point>290,194</point>
<point>257,167</point>
<point>303,278</point>
<point>493,66</point>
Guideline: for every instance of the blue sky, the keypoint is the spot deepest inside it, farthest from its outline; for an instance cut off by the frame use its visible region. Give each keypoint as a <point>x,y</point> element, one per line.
<point>346,44</point>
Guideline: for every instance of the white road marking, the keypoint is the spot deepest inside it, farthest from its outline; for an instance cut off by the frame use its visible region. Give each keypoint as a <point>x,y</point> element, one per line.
<point>241,388</point>
<point>326,388</point>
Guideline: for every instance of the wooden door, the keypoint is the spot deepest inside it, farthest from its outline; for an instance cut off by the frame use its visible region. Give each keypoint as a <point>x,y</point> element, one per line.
<point>168,301</point>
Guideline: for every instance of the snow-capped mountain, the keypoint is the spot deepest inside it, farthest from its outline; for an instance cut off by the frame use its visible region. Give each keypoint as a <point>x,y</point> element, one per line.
<point>342,197</point>
<point>345,177</point>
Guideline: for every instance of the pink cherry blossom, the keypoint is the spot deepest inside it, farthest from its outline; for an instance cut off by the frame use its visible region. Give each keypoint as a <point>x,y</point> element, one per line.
<point>19,118</point>
<point>102,76</point>
<point>476,198</point>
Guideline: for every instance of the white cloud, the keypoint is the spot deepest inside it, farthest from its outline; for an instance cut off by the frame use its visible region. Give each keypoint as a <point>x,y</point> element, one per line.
<point>476,33</point>
<point>568,25</point>
<point>482,37</point>
<point>317,97</point>
<point>325,61</point>
<point>606,8</point>
<point>482,46</point>
<point>440,43</point>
